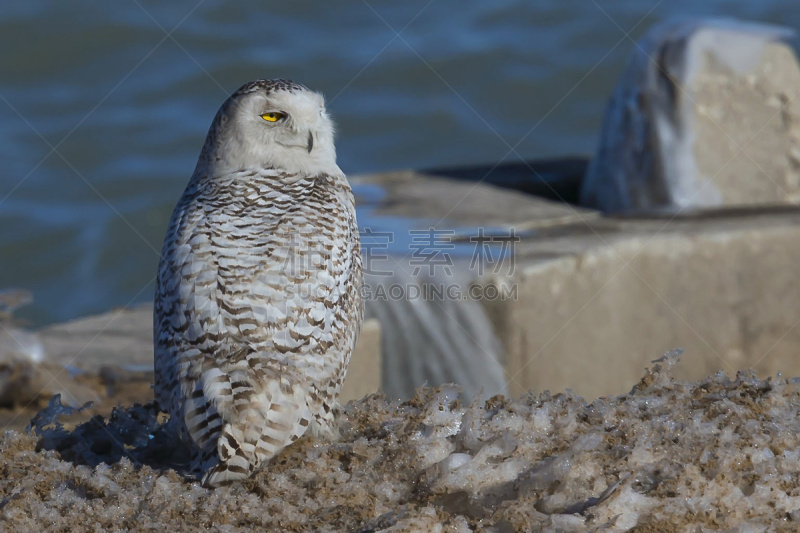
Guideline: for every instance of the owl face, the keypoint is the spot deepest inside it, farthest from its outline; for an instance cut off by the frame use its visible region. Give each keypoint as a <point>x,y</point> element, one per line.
<point>275,124</point>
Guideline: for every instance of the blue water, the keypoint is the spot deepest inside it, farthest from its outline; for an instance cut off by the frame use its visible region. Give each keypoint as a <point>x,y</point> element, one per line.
<point>104,106</point>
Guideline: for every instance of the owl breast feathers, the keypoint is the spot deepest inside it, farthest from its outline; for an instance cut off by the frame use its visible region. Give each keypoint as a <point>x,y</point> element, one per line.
<point>258,300</point>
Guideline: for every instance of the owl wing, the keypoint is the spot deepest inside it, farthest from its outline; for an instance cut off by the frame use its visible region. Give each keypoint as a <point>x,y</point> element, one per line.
<point>237,403</point>
<point>189,336</point>
<point>270,400</point>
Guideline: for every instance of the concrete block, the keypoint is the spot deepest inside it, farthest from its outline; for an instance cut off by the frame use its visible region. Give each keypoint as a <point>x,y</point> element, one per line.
<point>623,292</point>
<point>364,372</point>
<point>705,115</point>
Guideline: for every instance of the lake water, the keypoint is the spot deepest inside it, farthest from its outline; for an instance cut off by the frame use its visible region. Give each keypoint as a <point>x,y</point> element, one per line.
<point>105,105</point>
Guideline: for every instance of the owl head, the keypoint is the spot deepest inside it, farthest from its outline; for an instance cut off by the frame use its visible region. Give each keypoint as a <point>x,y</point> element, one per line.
<point>276,124</point>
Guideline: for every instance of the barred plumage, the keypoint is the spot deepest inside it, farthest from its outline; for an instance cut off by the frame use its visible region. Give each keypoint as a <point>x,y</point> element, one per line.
<point>258,301</point>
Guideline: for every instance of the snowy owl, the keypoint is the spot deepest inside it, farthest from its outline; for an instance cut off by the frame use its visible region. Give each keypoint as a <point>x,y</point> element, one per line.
<point>258,301</point>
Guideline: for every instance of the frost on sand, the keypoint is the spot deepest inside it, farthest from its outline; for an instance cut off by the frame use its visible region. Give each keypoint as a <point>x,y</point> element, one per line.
<point>668,456</point>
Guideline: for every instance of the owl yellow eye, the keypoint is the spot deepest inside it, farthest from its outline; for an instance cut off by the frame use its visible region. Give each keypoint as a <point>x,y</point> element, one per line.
<point>273,116</point>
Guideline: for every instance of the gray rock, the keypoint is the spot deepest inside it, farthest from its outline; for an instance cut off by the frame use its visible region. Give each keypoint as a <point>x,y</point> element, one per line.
<point>704,115</point>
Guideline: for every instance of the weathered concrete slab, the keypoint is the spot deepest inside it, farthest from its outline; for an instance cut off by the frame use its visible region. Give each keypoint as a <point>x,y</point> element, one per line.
<point>445,340</point>
<point>121,337</point>
<point>451,203</point>
<point>596,302</point>
<point>597,298</point>
<point>364,372</point>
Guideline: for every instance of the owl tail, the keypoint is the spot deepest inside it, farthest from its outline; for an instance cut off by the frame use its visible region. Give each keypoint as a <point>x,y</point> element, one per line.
<point>258,427</point>
<point>235,466</point>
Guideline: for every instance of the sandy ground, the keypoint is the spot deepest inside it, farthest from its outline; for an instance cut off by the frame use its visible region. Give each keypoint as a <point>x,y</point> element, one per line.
<point>720,454</point>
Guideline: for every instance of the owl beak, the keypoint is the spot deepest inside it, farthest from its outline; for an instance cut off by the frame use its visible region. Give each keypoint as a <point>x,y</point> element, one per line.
<point>310,145</point>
